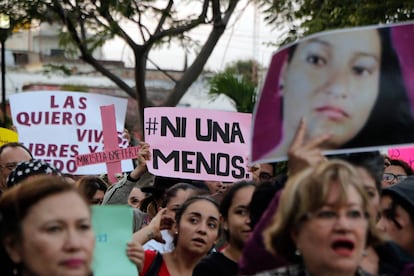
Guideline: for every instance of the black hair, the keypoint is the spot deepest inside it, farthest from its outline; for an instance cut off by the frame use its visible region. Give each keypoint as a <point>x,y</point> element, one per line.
<point>372,162</point>
<point>88,185</point>
<point>391,213</point>
<point>391,117</point>
<point>401,163</point>
<point>229,195</point>
<point>150,199</point>
<point>262,196</point>
<point>179,213</point>
<point>15,145</point>
<point>173,190</point>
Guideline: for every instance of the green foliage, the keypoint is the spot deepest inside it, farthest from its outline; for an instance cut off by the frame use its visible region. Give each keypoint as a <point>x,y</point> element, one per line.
<point>302,17</point>
<point>281,168</point>
<point>49,68</point>
<point>142,25</point>
<point>241,90</point>
<point>74,87</point>
<point>248,69</point>
<point>6,122</point>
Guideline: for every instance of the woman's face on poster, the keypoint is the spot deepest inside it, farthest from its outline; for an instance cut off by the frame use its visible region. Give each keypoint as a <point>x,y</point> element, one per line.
<point>333,82</point>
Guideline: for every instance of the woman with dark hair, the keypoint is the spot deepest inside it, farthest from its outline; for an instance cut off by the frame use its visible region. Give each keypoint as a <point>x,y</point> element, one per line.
<point>173,198</point>
<point>347,86</point>
<point>93,188</point>
<point>196,229</point>
<point>234,209</point>
<point>391,120</point>
<point>397,213</point>
<point>45,229</point>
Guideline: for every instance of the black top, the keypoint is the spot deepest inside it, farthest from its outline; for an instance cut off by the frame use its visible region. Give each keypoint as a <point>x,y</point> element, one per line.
<point>216,264</point>
<point>393,259</point>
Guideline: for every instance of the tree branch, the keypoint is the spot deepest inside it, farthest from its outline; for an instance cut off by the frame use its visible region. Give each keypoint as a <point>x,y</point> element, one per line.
<point>192,73</point>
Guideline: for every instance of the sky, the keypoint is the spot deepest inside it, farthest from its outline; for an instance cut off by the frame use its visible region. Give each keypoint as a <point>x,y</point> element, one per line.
<point>243,39</point>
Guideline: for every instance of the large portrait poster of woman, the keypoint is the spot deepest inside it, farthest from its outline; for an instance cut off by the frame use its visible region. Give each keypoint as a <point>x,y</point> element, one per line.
<point>357,85</point>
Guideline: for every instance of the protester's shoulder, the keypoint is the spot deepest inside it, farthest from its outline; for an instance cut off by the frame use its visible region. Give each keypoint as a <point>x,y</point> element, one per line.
<point>212,258</point>
<point>215,264</point>
<point>296,270</point>
<point>291,270</point>
<point>393,259</point>
<point>140,219</point>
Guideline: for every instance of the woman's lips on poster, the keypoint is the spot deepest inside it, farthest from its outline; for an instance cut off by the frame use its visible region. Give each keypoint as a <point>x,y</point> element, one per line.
<point>332,112</point>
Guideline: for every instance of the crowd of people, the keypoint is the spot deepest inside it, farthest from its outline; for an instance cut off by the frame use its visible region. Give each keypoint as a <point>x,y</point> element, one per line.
<point>344,214</point>
<point>349,214</point>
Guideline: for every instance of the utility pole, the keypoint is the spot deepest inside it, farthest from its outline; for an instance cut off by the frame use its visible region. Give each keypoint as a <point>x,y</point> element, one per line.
<point>4,29</point>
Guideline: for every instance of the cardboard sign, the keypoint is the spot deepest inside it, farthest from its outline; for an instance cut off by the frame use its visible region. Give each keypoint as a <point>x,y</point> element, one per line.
<point>355,84</point>
<point>112,225</point>
<point>198,144</point>
<point>57,126</point>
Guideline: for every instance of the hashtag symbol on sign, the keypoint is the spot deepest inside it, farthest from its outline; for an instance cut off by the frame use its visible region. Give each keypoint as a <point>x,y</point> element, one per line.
<point>151,125</point>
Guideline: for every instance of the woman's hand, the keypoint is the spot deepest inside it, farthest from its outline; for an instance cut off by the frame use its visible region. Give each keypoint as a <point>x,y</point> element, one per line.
<point>143,156</point>
<point>303,154</point>
<point>136,254</point>
<point>161,221</point>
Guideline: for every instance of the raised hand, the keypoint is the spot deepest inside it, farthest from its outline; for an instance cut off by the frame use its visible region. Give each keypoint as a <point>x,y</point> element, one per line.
<point>136,254</point>
<point>301,153</point>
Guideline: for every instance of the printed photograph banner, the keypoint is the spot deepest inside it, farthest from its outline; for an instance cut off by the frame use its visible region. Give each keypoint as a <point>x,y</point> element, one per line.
<point>198,144</point>
<point>57,126</point>
<point>355,84</point>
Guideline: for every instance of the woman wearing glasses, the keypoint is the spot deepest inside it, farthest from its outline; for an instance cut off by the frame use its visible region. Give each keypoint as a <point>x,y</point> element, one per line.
<point>395,171</point>
<point>322,225</point>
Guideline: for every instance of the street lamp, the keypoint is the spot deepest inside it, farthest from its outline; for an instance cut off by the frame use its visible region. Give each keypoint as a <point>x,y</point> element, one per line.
<point>4,29</point>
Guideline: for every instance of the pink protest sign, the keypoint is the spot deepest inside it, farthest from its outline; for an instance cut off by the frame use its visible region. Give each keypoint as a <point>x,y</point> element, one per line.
<point>405,154</point>
<point>110,139</point>
<point>198,144</point>
<point>113,155</point>
<point>107,156</point>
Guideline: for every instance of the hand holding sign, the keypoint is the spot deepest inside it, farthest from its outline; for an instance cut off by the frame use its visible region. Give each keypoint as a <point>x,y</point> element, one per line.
<point>136,254</point>
<point>304,154</point>
<point>143,156</point>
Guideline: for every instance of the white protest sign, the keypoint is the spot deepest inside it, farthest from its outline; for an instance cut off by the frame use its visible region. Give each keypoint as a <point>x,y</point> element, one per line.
<point>57,126</point>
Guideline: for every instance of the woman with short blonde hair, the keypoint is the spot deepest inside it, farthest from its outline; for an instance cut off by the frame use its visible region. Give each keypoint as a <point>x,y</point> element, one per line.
<point>322,223</point>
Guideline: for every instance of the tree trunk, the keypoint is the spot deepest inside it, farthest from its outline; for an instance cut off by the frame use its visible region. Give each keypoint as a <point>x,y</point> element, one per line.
<point>140,89</point>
